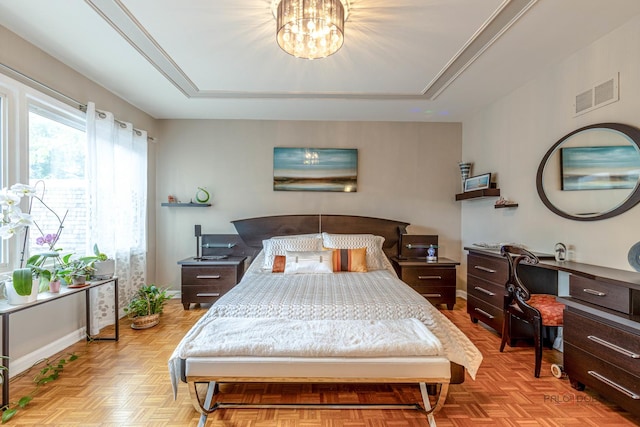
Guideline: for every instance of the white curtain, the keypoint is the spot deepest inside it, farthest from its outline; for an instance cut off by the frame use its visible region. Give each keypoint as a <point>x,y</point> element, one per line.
<point>117,207</point>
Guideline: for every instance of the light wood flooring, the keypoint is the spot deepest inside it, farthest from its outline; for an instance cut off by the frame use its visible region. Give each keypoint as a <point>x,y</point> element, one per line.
<point>127,384</point>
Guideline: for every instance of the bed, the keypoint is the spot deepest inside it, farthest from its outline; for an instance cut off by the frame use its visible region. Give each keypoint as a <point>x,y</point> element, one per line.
<point>316,307</point>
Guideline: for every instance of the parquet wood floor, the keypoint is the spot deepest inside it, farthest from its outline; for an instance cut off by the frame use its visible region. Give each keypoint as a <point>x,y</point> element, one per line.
<point>127,384</point>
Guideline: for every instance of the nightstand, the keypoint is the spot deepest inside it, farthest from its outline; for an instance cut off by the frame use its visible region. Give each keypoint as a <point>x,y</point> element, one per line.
<point>436,281</point>
<point>204,281</point>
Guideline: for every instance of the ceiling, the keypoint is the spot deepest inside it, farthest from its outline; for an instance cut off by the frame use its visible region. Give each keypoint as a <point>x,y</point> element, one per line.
<point>402,60</point>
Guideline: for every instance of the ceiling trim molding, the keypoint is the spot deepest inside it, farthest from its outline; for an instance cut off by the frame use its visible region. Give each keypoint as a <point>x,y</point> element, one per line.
<point>132,31</point>
<point>502,19</point>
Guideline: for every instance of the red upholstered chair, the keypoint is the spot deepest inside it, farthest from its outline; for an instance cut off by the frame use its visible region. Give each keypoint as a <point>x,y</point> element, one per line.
<point>537,309</point>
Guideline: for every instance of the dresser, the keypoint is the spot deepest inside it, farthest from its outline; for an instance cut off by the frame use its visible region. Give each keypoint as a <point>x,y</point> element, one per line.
<point>602,333</point>
<point>487,273</point>
<point>204,281</point>
<point>436,281</point>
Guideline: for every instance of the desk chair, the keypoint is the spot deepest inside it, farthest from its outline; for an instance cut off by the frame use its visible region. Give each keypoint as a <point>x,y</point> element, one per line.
<point>537,309</point>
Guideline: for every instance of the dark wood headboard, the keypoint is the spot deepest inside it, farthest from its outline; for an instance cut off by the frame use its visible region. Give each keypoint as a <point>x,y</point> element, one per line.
<point>254,230</point>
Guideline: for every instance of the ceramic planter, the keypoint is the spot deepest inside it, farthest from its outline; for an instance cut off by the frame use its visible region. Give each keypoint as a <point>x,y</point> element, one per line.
<point>104,269</point>
<point>14,299</point>
<point>54,286</point>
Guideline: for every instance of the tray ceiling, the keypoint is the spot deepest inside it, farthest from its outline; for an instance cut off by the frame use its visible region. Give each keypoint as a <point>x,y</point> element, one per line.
<point>407,60</point>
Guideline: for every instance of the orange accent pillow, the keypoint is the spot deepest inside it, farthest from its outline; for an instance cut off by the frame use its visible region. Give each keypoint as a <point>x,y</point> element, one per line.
<point>279,261</point>
<point>353,260</point>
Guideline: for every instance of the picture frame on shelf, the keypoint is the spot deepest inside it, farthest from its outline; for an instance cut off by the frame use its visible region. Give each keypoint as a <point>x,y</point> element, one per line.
<point>478,182</point>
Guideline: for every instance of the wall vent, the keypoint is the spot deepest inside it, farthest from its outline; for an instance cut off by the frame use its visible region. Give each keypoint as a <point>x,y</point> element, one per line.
<point>598,96</point>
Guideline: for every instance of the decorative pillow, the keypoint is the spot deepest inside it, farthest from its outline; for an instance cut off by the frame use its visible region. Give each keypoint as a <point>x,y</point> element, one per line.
<point>280,246</point>
<point>309,262</point>
<point>354,260</point>
<point>375,254</point>
<point>279,262</point>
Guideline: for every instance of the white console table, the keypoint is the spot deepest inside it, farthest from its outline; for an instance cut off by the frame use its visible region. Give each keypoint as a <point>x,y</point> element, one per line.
<point>6,310</point>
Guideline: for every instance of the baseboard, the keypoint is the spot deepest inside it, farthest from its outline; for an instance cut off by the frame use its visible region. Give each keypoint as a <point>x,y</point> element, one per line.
<point>461,294</point>
<point>21,364</point>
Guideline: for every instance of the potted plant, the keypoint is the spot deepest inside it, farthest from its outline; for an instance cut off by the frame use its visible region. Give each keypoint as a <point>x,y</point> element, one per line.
<point>76,272</point>
<point>22,289</point>
<point>145,309</point>
<point>104,267</point>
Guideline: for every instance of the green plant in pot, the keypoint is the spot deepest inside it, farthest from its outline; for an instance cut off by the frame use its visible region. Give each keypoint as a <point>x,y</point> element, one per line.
<point>104,267</point>
<point>21,289</point>
<point>145,309</point>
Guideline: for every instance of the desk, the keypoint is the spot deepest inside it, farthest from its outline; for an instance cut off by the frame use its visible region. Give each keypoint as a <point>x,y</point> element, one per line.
<point>6,310</point>
<point>601,331</point>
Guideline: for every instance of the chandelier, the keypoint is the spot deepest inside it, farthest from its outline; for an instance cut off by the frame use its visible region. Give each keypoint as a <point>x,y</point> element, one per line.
<point>310,29</point>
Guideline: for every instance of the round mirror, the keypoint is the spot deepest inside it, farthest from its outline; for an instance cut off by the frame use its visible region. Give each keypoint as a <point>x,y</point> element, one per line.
<point>592,173</point>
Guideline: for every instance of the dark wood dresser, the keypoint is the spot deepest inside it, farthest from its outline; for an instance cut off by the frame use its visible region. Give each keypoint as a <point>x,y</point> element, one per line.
<point>204,281</point>
<point>436,281</point>
<point>602,333</point>
<point>487,273</point>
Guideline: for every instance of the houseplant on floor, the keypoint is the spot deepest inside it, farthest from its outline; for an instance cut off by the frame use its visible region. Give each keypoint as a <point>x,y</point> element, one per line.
<point>145,309</point>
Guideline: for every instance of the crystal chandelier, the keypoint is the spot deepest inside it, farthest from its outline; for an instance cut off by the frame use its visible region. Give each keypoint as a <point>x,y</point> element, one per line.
<point>310,29</point>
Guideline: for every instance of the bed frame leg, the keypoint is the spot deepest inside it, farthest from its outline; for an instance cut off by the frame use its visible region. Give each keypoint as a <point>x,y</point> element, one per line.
<point>206,407</point>
<point>442,397</point>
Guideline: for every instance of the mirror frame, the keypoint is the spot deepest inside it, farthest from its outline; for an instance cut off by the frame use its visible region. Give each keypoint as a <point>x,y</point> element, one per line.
<point>632,133</point>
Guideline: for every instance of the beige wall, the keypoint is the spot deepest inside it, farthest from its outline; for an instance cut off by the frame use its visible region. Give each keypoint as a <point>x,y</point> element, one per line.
<point>511,136</point>
<point>406,171</point>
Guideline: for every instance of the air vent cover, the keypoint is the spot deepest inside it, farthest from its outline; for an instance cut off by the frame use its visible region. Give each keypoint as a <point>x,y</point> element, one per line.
<point>596,97</point>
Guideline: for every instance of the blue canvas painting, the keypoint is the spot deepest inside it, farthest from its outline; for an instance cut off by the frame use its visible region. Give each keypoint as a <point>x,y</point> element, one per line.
<point>315,169</point>
<point>600,168</point>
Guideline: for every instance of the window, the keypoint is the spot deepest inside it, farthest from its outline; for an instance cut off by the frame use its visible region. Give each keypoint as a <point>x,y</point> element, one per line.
<point>43,139</point>
<point>57,167</point>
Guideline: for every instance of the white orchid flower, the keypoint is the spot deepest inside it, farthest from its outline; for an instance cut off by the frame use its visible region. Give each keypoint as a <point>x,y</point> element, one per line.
<point>18,218</point>
<point>23,190</point>
<point>9,230</point>
<point>9,199</point>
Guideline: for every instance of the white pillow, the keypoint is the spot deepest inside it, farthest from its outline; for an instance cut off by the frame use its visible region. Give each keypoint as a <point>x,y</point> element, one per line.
<point>373,243</point>
<point>319,262</point>
<point>280,246</point>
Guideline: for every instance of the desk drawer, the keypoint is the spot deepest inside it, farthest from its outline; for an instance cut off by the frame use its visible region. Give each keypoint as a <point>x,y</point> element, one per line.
<point>616,384</point>
<point>485,312</point>
<point>214,276</point>
<point>486,291</point>
<point>600,293</point>
<point>606,342</point>
<point>488,268</point>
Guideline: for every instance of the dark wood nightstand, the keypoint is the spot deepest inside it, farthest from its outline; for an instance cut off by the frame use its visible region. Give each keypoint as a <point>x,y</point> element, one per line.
<point>436,281</point>
<point>204,281</point>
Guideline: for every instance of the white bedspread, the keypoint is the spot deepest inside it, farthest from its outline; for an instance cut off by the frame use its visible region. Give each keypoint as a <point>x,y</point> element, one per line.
<point>376,295</point>
<point>239,336</point>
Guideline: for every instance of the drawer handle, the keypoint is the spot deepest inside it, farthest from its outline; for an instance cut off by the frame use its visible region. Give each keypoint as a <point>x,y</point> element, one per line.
<point>594,292</point>
<point>615,385</point>
<point>484,313</point>
<point>430,277</point>
<point>207,276</point>
<point>488,270</point>
<point>614,347</point>
<point>484,291</point>
<point>432,295</point>
<point>208,294</point>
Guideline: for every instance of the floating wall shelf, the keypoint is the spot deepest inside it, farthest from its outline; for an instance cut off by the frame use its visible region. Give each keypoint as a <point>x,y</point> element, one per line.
<point>186,205</point>
<point>475,194</point>
<point>510,205</point>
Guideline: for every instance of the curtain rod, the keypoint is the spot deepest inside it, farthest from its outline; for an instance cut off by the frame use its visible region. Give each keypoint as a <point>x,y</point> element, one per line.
<point>30,81</point>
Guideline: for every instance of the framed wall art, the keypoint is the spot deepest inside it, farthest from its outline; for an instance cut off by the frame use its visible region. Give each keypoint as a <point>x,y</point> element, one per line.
<point>315,169</point>
<point>599,168</point>
<point>479,182</point>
